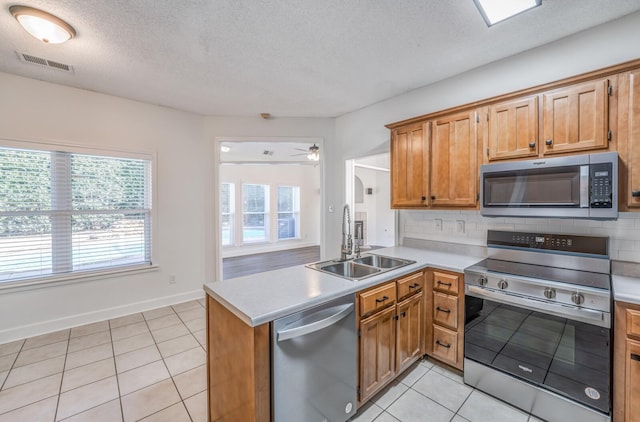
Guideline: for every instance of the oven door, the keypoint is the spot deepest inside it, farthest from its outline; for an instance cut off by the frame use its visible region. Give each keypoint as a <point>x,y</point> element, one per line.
<point>561,355</point>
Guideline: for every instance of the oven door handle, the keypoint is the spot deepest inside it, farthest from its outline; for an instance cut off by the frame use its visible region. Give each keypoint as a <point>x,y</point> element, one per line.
<point>602,319</point>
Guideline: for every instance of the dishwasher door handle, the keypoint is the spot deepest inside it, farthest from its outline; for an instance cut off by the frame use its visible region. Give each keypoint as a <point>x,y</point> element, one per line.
<point>312,327</point>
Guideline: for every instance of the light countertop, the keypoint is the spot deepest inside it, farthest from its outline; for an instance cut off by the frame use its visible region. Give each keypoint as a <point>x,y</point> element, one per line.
<point>260,298</point>
<point>626,288</point>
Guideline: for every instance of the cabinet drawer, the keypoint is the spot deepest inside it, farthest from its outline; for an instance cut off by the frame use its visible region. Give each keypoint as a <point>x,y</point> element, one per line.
<point>445,344</point>
<point>410,284</point>
<point>378,298</point>
<point>445,310</point>
<point>633,322</point>
<point>447,283</point>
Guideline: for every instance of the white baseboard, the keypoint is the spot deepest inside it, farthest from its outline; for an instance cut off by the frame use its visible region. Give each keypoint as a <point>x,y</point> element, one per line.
<point>44,327</point>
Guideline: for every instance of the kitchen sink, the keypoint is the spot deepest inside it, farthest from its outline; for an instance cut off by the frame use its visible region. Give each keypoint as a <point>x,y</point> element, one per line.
<point>359,268</point>
<point>381,261</point>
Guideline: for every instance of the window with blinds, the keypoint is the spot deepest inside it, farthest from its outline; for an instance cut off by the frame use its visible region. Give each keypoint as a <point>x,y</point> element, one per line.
<point>67,212</point>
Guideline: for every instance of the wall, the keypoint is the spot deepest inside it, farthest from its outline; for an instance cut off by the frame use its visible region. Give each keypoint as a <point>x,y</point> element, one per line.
<point>362,131</point>
<point>624,233</point>
<point>307,177</point>
<point>39,111</point>
<point>380,218</point>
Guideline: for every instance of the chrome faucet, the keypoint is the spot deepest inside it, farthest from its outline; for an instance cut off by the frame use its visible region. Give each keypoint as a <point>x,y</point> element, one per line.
<point>345,248</point>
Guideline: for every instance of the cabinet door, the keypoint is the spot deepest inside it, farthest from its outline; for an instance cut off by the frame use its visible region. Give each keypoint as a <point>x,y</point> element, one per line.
<point>575,118</point>
<point>629,124</point>
<point>409,166</point>
<point>513,129</point>
<point>410,330</point>
<point>454,164</point>
<point>632,387</point>
<point>377,352</point>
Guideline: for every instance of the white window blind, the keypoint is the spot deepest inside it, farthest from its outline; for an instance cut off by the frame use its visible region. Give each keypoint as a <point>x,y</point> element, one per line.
<point>66,212</point>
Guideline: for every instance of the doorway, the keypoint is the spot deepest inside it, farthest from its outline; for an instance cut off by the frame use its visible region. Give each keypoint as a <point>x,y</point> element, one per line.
<point>369,196</point>
<point>269,196</point>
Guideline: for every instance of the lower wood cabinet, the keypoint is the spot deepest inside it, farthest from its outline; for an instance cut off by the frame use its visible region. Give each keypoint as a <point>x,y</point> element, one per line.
<point>391,331</point>
<point>377,351</point>
<point>626,363</point>
<point>444,328</point>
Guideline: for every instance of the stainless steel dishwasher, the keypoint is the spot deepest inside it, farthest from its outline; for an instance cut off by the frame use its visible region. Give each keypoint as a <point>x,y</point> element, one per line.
<point>314,364</point>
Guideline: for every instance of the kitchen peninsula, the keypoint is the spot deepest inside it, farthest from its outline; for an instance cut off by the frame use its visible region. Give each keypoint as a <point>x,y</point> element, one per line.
<point>240,313</point>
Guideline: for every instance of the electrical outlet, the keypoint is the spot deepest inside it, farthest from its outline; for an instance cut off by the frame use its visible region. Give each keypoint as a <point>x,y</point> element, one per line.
<point>460,226</point>
<point>438,222</point>
<point>172,279</point>
<point>330,208</point>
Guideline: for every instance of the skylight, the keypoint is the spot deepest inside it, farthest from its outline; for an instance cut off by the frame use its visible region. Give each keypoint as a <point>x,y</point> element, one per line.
<point>494,11</point>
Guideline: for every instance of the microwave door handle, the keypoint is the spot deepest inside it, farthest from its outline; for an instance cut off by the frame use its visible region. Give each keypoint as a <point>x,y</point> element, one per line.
<point>584,186</point>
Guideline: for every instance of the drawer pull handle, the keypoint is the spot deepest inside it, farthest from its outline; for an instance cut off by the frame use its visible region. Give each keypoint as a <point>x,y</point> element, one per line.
<point>444,284</point>
<point>636,193</point>
<point>443,310</point>
<point>413,286</point>
<point>384,298</point>
<point>442,344</point>
<point>635,357</point>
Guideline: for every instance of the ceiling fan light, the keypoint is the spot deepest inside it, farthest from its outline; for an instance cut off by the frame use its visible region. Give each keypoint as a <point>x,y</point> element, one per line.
<point>42,25</point>
<point>313,156</point>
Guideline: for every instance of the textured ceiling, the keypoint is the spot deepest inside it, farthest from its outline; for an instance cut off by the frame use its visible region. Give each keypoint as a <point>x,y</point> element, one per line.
<point>285,57</point>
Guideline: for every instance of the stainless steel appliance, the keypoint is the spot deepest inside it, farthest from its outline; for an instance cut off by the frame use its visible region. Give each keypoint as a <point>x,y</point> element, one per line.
<point>578,186</point>
<point>538,324</point>
<point>314,361</point>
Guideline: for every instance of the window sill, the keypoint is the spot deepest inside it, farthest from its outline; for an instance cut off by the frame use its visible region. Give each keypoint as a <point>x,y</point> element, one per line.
<point>63,280</point>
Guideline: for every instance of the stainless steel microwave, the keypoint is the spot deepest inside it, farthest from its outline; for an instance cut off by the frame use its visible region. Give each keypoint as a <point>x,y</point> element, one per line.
<point>577,186</point>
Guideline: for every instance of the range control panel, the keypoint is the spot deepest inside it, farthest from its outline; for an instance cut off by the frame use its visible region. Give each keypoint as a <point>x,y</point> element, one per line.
<point>601,186</point>
<point>552,242</point>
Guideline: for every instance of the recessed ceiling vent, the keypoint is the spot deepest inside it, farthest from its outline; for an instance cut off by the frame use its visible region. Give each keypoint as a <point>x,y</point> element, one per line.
<point>39,61</point>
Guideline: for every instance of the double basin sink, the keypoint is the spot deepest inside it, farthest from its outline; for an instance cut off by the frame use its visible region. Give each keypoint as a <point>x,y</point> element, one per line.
<point>358,268</point>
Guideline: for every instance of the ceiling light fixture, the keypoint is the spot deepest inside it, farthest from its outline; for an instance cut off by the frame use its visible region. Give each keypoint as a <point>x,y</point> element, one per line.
<point>494,11</point>
<point>314,153</point>
<point>42,25</point>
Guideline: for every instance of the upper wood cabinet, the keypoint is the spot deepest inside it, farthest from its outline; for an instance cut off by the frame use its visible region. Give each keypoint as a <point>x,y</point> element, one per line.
<point>575,118</point>
<point>629,136</point>
<point>513,129</point>
<point>454,160</point>
<point>410,166</point>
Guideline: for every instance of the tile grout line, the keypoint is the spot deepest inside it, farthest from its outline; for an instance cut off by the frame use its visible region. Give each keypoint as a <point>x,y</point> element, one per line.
<point>12,365</point>
<point>55,415</point>
<point>115,369</point>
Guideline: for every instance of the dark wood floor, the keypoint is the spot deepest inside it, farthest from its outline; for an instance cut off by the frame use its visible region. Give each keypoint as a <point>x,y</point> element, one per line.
<point>257,263</point>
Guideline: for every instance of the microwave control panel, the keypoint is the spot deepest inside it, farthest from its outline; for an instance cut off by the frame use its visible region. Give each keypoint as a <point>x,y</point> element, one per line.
<point>601,186</point>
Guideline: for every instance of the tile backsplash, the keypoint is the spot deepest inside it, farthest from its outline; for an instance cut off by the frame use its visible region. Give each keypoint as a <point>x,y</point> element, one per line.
<point>470,228</point>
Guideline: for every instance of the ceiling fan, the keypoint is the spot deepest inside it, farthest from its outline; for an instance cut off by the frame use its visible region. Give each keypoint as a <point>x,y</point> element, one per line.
<point>313,153</point>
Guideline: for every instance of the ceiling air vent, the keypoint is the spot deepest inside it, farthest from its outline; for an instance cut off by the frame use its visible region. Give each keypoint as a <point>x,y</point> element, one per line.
<point>28,58</point>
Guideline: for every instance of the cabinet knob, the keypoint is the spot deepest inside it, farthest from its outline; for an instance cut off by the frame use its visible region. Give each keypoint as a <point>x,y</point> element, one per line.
<point>433,198</point>
<point>549,141</point>
<point>532,145</point>
<point>403,314</point>
<point>424,198</point>
<point>635,193</point>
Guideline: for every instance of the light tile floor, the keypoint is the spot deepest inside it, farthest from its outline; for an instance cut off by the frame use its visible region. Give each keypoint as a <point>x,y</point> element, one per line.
<point>430,392</point>
<point>150,367</point>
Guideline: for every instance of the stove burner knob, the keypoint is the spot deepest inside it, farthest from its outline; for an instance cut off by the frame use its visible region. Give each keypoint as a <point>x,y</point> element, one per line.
<point>549,293</point>
<point>483,281</point>
<point>577,298</point>
<point>503,284</point>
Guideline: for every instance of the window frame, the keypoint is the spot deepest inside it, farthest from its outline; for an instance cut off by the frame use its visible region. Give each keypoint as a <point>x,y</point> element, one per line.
<point>231,214</point>
<point>266,213</point>
<point>98,273</point>
<point>295,212</point>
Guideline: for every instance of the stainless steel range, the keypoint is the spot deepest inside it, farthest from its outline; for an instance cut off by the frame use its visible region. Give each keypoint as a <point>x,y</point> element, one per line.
<point>538,324</point>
